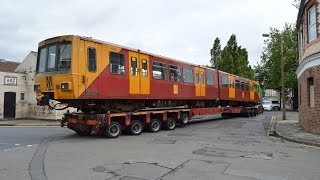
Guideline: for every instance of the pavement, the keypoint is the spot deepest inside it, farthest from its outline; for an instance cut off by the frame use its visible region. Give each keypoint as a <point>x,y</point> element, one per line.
<point>30,122</point>
<point>291,130</point>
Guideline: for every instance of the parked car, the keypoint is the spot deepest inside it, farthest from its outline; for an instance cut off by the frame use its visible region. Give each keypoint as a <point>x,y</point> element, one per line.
<point>271,105</point>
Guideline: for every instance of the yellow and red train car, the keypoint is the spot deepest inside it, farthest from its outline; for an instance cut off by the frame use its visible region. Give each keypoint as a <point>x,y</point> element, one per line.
<point>98,77</point>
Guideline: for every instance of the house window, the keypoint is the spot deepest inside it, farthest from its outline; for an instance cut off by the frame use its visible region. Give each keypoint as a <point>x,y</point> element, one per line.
<point>310,87</point>
<point>116,63</point>
<point>312,27</point>
<point>209,78</point>
<point>159,70</point>
<point>22,96</point>
<point>92,64</point>
<point>174,73</point>
<point>187,75</point>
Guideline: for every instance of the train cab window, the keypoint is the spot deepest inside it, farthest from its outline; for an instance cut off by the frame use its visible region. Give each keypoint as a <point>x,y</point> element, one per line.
<point>187,75</point>
<point>116,63</point>
<point>159,70</point>
<point>134,67</point>
<point>42,60</point>
<point>238,84</point>
<point>92,62</point>
<point>209,78</point>
<point>174,73</point>
<point>64,58</point>
<point>224,81</point>
<point>52,58</point>
<point>144,67</point>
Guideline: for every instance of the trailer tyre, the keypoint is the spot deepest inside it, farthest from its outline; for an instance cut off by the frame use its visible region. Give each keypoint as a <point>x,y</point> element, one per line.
<point>113,130</point>
<point>136,128</point>
<point>170,124</point>
<point>154,126</point>
<point>184,119</point>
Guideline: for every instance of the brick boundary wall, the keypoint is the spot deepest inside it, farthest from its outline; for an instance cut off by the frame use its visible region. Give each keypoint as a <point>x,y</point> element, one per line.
<point>309,117</point>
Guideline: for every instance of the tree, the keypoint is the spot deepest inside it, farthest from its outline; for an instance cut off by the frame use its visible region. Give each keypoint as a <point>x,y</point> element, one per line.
<point>215,53</point>
<point>234,59</point>
<point>271,58</point>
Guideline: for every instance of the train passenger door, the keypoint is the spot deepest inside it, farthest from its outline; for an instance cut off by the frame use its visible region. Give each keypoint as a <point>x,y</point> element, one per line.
<point>232,89</point>
<point>139,73</point>
<point>200,86</point>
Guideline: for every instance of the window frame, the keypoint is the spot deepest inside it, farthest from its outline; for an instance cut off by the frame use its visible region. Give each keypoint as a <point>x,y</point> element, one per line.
<point>144,73</point>
<point>162,72</point>
<point>209,74</point>
<point>224,81</point>
<point>131,68</point>
<point>178,70</point>
<point>186,71</point>
<point>122,57</point>
<point>88,59</point>
<point>314,25</point>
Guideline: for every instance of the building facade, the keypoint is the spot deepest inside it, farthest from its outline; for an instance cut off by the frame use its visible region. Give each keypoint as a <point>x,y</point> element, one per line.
<point>308,72</point>
<point>17,97</point>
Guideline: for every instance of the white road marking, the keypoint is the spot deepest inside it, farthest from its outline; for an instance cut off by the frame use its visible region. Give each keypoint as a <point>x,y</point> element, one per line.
<point>17,144</point>
<point>22,147</point>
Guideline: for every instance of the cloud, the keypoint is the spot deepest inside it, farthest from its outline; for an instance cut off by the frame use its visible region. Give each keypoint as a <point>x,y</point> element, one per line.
<point>182,30</point>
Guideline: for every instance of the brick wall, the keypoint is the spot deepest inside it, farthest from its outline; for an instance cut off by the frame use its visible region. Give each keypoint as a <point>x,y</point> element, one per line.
<point>309,117</point>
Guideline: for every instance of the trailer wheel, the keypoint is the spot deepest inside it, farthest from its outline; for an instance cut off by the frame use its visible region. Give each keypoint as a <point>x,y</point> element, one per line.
<point>154,126</point>
<point>136,128</point>
<point>184,119</point>
<point>170,124</point>
<point>113,130</point>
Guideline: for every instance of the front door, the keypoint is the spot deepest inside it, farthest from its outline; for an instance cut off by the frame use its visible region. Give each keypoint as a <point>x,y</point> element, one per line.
<point>9,105</point>
<point>139,73</point>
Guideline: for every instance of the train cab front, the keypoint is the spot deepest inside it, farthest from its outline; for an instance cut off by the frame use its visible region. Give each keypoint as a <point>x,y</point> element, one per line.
<point>54,79</point>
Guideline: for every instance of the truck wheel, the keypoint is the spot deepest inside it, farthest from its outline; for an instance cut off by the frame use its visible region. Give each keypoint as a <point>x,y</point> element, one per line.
<point>136,128</point>
<point>184,119</point>
<point>154,126</point>
<point>113,130</point>
<point>170,124</point>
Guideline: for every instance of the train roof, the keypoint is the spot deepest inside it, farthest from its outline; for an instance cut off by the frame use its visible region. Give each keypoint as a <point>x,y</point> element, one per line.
<point>138,50</point>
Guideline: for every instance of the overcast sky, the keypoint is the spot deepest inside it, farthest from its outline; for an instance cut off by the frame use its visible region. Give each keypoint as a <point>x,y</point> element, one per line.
<point>180,29</point>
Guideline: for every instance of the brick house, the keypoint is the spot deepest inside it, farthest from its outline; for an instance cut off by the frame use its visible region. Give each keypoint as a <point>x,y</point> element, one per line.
<point>308,72</point>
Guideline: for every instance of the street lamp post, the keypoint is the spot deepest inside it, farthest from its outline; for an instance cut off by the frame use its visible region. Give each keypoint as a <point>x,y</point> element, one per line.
<point>283,97</point>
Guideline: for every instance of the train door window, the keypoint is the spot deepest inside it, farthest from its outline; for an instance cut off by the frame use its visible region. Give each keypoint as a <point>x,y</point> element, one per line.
<point>134,67</point>
<point>42,60</point>
<point>187,75</point>
<point>116,63</point>
<point>144,67</point>
<point>202,78</point>
<point>197,77</point>
<point>92,63</point>
<point>224,81</point>
<point>209,77</point>
<point>159,70</point>
<point>238,84</point>
<point>52,58</point>
<point>174,73</point>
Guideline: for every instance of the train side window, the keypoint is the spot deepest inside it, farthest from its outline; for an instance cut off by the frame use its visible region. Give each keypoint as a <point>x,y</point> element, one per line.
<point>144,67</point>
<point>187,75</point>
<point>92,62</point>
<point>159,70</point>
<point>224,81</point>
<point>209,77</point>
<point>246,87</point>
<point>238,84</point>
<point>242,86</point>
<point>116,63</point>
<point>174,73</point>
<point>52,54</point>
<point>134,67</point>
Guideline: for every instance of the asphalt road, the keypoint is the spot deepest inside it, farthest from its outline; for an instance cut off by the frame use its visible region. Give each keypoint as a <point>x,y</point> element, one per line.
<point>236,148</point>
